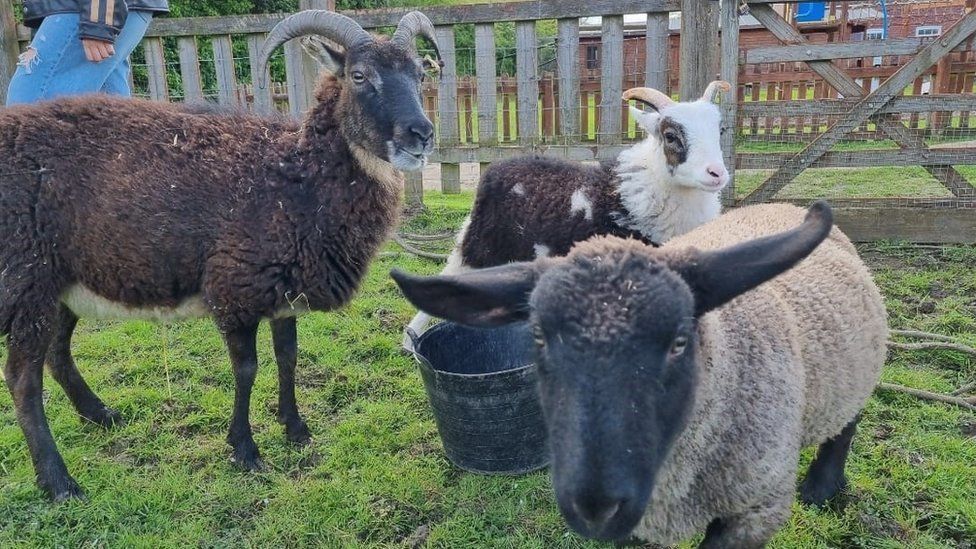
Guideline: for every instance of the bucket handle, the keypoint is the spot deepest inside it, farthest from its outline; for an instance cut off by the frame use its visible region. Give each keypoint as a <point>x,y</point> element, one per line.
<point>413,342</point>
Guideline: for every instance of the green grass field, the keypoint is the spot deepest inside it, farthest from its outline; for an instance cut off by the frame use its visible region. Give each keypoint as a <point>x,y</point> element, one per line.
<point>376,476</point>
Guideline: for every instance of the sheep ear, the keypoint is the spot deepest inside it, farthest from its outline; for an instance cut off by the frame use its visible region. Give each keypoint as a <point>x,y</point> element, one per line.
<point>485,297</point>
<point>326,54</point>
<point>719,276</point>
<point>648,121</point>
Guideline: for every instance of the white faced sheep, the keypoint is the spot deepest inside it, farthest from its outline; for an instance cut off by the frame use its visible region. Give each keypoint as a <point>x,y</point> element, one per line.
<point>677,385</point>
<point>534,206</point>
<point>180,213</point>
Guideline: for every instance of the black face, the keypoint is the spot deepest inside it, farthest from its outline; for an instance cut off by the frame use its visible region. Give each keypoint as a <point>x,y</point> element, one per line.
<point>382,90</point>
<point>616,384</point>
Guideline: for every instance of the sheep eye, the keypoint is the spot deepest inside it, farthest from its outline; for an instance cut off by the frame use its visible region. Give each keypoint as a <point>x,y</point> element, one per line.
<point>671,138</point>
<point>358,77</point>
<point>679,345</point>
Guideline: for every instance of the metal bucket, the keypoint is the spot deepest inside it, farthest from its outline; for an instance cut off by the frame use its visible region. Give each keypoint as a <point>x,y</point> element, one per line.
<point>482,387</point>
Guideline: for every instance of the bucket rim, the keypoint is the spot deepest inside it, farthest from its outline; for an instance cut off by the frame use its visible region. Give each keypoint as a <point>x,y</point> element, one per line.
<point>422,360</point>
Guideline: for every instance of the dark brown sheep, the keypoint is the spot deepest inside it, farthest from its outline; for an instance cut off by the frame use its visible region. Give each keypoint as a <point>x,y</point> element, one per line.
<point>132,209</point>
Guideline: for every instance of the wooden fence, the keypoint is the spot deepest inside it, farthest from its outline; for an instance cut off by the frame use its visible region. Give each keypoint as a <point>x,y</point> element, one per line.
<point>809,96</point>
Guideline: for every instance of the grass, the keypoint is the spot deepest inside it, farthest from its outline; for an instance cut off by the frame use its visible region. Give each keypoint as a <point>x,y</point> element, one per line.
<point>376,471</point>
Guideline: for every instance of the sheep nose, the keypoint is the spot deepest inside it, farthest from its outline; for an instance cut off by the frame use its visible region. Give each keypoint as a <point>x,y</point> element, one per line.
<point>423,130</point>
<point>717,172</point>
<point>597,510</point>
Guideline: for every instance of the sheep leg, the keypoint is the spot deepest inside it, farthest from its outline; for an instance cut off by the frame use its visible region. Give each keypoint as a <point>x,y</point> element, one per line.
<point>63,370</point>
<point>284,333</point>
<point>24,374</point>
<point>749,530</point>
<point>242,346</point>
<point>826,475</point>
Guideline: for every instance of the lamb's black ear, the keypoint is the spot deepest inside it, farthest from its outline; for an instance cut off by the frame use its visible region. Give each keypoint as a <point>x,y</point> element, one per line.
<point>719,276</point>
<point>485,297</point>
<point>325,53</point>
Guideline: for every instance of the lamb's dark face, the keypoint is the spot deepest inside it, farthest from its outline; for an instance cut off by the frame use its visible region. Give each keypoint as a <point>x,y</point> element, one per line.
<point>381,85</point>
<point>616,378</point>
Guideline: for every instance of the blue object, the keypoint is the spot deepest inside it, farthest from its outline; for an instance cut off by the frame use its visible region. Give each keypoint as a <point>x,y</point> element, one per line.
<point>58,67</point>
<point>884,20</point>
<point>810,11</point>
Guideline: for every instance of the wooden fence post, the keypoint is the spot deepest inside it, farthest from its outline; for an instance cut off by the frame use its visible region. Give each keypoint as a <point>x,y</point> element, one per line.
<point>302,70</point>
<point>699,56</point>
<point>730,73</point>
<point>9,48</point>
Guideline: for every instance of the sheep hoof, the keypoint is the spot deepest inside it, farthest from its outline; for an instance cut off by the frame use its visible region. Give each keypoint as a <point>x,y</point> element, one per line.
<point>298,433</point>
<point>62,489</point>
<point>816,492</point>
<point>104,417</point>
<point>248,460</point>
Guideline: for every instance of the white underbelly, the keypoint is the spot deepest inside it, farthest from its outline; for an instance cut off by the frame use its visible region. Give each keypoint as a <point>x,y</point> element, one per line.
<point>87,304</point>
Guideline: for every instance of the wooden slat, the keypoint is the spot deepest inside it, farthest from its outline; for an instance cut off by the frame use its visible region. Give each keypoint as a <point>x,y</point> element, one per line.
<point>568,71</point>
<point>611,78</point>
<point>450,178</point>
<point>657,52</point>
<point>224,66</point>
<point>699,26</point>
<point>918,225</point>
<point>835,50</point>
<point>484,56</point>
<point>190,68</point>
<point>447,110</point>
<point>413,189</point>
<point>531,10</point>
<point>729,64</point>
<point>863,159</point>
<point>263,103</point>
<point>834,107</point>
<point>527,67</point>
<point>9,47</point>
<point>156,66</point>
<point>311,67</point>
<point>299,100</point>
<point>865,108</point>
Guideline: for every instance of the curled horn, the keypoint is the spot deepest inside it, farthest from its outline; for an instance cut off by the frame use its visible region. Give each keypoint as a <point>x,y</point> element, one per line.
<point>336,27</point>
<point>411,26</point>
<point>650,97</point>
<point>713,88</point>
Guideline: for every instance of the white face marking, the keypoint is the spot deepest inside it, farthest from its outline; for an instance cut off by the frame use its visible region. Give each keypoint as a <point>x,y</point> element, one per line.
<point>87,304</point>
<point>580,203</point>
<point>541,250</point>
<point>518,189</point>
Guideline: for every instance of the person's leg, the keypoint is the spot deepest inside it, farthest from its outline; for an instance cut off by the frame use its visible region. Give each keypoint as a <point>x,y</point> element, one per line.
<point>136,24</point>
<point>38,65</point>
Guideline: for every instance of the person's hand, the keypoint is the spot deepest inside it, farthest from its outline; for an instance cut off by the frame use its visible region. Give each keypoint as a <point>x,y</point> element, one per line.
<point>97,51</point>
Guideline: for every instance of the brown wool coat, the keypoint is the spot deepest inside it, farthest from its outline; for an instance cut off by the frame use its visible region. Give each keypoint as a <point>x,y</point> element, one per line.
<point>150,204</point>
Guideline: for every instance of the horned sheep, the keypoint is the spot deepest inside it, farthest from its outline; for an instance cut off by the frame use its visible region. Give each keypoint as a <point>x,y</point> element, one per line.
<point>122,208</point>
<point>661,187</point>
<point>679,384</point>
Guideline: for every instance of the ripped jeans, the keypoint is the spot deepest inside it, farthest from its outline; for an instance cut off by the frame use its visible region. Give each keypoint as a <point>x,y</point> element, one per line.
<point>54,64</point>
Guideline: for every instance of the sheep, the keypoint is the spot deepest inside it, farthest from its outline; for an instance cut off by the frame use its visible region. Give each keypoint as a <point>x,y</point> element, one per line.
<point>678,385</point>
<point>534,206</point>
<point>180,213</point>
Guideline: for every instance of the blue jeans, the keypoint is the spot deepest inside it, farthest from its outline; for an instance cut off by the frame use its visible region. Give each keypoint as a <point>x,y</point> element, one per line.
<point>55,65</point>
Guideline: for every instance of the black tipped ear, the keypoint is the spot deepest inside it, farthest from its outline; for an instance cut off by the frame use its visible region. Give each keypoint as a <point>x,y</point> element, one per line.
<point>717,277</point>
<point>485,297</point>
<point>328,56</point>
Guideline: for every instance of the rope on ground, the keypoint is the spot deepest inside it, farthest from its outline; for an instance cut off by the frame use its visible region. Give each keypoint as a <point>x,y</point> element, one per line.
<point>969,403</point>
<point>935,341</point>
<point>417,251</point>
<point>427,237</point>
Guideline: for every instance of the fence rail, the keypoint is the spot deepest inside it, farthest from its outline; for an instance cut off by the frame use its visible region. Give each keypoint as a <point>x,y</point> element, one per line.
<point>559,101</point>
